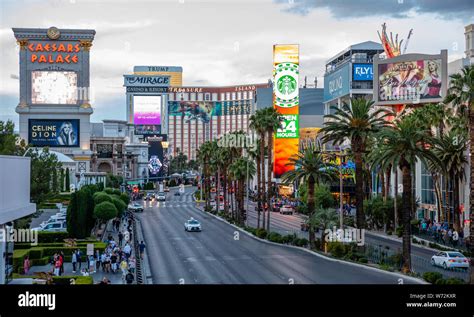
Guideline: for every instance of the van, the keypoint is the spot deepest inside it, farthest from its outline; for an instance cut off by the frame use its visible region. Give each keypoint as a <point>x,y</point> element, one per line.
<point>58,226</point>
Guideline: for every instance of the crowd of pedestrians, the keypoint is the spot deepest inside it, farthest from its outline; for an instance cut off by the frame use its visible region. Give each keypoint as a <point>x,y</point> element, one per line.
<point>442,233</point>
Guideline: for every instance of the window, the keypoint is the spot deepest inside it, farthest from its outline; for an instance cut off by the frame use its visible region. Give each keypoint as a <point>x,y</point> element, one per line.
<point>222,96</point>
<point>233,96</point>
<point>250,95</point>
<point>227,96</point>
<point>207,97</point>
<point>193,96</point>
<point>245,95</point>
<point>239,95</point>
<point>214,96</point>
<point>200,96</point>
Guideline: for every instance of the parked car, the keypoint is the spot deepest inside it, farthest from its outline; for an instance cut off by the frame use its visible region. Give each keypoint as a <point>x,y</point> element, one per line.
<point>53,219</point>
<point>450,259</point>
<point>135,207</point>
<point>161,196</point>
<point>57,226</point>
<point>192,225</point>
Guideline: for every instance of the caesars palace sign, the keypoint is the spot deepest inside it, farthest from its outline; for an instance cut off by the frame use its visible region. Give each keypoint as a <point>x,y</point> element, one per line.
<point>54,52</point>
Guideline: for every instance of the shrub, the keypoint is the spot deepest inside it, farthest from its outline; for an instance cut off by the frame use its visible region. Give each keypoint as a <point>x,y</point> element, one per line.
<point>363,260</point>
<point>451,280</point>
<point>289,238</point>
<point>105,211</point>
<point>275,237</point>
<point>36,253</point>
<point>399,231</point>
<point>124,197</point>
<point>49,237</point>
<point>109,190</point>
<point>389,233</point>
<point>337,249</point>
<point>251,230</point>
<point>301,242</point>
<point>120,205</point>
<point>432,277</point>
<point>101,197</point>
<point>261,233</point>
<point>117,192</point>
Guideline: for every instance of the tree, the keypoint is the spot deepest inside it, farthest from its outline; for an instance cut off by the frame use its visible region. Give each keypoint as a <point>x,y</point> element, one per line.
<point>461,95</point>
<point>403,145</point>
<point>310,169</point>
<point>113,181</point>
<point>68,185</point>
<point>204,155</point>
<point>101,197</point>
<point>43,164</point>
<point>105,211</point>
<point>10,144</point>
<point>179,164</point>
<point>61,180</point>
<point>125,198</point>
<point>257,124</point>
<point>120,205</point>
<point>239,170</point>
<point>355,122</point>
<point>322,218</point>
<point>256,155</point>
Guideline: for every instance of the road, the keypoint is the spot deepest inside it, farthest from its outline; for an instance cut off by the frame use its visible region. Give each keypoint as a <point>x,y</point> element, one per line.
<point>220,254</point>
<point>289,224</point>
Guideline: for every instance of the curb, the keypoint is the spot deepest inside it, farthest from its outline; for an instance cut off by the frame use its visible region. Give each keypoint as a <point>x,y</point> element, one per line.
<point>400,275</point>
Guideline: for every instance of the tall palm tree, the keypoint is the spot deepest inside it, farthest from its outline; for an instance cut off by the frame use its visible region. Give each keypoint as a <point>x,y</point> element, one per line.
<point>461,95</point>
<point>255,155</point>
<point>240,169</point>
<point>450,149</point>
<point>257,124</point>
<point>355,122</point>
<point>323,218</point>
<point>223,161</point>
<point>272,121</point>
<point>204,155</point>
<point>403,145</point>
<point>311,169</point>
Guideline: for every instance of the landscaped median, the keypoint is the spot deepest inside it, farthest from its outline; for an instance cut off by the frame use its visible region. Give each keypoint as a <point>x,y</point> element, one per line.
<point>50,243</point>
<point>59,280</point>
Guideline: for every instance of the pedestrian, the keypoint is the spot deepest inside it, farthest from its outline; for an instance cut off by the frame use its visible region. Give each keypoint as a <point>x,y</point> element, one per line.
<point>74,261</point>
<point>57,266</point>
<point>124,268</point>
<point>61,257</point>
<point>132,264</point>
<point>97,260</point>
<point>455,238</point>
<point>142,249</point>
<point>450,236</point>
<point>91,264</point>
<point>107,263</point>
<point>117,224</point>
<point>127,250</point>
<point>113,260</point>
<point>120,237</point>
<point>79,258</point>
<point>461,236</point>
<point>26,265</point>
<point>102,261</point>
<point>129,277</point>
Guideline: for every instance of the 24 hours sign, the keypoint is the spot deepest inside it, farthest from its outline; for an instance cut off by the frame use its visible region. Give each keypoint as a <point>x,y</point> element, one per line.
<point>289,127</point>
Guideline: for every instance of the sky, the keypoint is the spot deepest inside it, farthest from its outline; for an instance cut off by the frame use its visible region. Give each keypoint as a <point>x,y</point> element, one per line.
<point>221,42</point>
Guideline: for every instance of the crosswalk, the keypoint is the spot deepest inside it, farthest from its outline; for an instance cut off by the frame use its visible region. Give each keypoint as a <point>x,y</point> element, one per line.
<point>184,199</point>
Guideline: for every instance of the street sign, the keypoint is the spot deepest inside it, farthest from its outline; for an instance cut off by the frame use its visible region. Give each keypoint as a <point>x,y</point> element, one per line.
<point>90,249</point>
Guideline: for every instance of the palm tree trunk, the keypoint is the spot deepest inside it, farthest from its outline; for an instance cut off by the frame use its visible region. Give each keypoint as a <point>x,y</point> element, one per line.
<point>311,184</point>
<point>471,198</point>
<point>438,195</point>
<point>446,200</point>
<point>406,217</point>
<point>269,177</point>
<point>388,179</point>
<point>241,194</point>
<point>218,189</point>
<point>224,188</point>
<point>262,178</point>
<point>456,214</point>
<point>258,192</point>
<point>359,175</point>
<point>382,182</point>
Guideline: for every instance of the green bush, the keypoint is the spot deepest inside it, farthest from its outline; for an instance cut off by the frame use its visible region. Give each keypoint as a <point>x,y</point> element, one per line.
<point>289,238</point>
<point>337,249</point>
<point>363,260</point>
<point>302,242</point>
<point>275,237</point>
<point>251,230</point>
<point>117,192</point>
<point>105,211</point>
<point>389,233</point>
<point>36,253</point>
<point>101,197</point>
<point>48,237</point>
<point>450,281</point>
<point>109,190</point>
<point>66,280</point>
<point>261,233</point>
<point>124,197</point>
<point>120,205</point>
<point>432,277</point>
<point>399,231</point>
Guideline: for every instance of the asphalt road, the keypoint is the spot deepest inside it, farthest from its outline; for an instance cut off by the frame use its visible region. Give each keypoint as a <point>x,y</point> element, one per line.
<point>220,254</point>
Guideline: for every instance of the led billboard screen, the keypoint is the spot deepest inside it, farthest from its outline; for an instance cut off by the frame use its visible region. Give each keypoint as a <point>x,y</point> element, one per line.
<point>53,132</point>
<point>147,110</point>
<point>53,87</point>
<point>362,72</point>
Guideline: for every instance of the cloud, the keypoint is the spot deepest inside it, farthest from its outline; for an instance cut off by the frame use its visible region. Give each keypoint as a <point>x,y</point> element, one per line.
<point>453,9</point>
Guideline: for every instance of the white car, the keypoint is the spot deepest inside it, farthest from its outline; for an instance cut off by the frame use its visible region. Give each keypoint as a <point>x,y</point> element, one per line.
<point>450,259</point>
<point>286,210</point>
<point>135,207</point>
<point>59,226</point>
<point>161,196</point>
<point>54,218</point>
<point>192,225</point>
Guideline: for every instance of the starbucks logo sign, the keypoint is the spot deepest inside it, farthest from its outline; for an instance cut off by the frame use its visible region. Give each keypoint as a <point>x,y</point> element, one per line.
<point>286,85</point>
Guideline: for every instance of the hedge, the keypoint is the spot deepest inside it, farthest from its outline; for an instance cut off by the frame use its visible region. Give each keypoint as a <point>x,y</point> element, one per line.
<point>47,237</point>
<point>79,280</point>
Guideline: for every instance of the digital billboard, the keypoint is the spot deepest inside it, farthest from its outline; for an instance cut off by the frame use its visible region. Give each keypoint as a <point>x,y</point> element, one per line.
<point>195,110</point>
<point>411,79</point>
<point>147,110</point>
<point>53,132</point>
<point>286,102</point>
<point>337,83</point>
<point>53,87</point>
<point>142,129</point>
<point>362,72</point>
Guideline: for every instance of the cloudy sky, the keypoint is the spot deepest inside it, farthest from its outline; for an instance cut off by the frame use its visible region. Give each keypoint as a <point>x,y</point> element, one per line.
<point>221,42</point>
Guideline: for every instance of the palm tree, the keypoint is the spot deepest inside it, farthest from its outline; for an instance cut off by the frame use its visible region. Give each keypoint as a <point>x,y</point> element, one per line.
<point>223,161</point>
<point>239,170</point>
<point>323,218</point>
<point>310,169</point>
<point>258,125</point>
<point>355,122</point>
<point>461,95</point>
<point>204,154</point>
<point>403,145</point>
<point>450,149</point>
<point>255,155</point>
<point>272,121</point>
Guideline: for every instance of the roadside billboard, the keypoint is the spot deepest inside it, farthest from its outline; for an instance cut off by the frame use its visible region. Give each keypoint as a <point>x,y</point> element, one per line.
<point>53,132</point>
<point>147,110</point>
<point>337,83</point>
<point>410,79</point>
<point>195,110</point>
<point>286,102</point>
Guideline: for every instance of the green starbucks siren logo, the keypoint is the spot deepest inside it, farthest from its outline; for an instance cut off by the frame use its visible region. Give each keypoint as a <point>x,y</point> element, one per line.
<point>286,85</point>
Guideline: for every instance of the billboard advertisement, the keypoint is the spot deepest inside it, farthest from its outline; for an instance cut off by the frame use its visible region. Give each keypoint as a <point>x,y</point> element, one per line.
<point>146,110</point>
<point>236,108</point>
<point>195,110</point>
<point>53,87</point>
<point>362,72</point>
<point>286,102</point>
<point>411,79</point>
<point>157,157</point>
<point>337,83</point>
<point>142,129</point>
<point>53,132</point>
